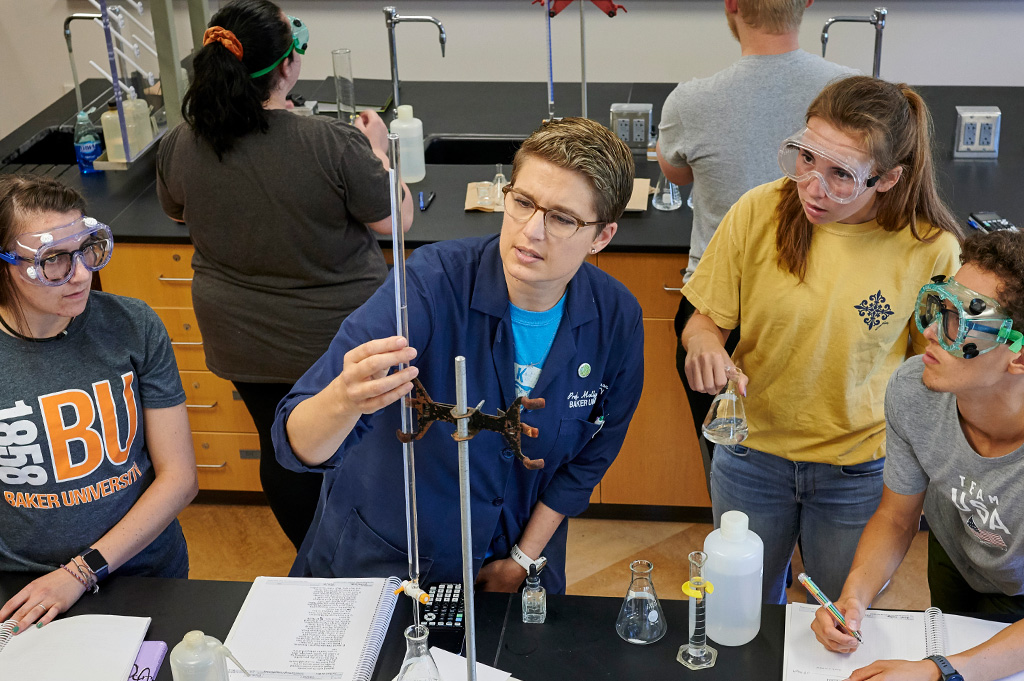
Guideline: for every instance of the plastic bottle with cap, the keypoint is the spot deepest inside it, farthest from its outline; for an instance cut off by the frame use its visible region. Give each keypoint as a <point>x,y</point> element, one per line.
<point>410,144</point>
<point>201,658</point>
<point>735,566</point>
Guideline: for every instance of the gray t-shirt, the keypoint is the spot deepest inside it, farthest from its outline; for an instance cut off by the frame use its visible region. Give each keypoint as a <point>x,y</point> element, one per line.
<point>728,128</point>
<point>973,503</point>
<point>73,456</point>
<point>282,253</point>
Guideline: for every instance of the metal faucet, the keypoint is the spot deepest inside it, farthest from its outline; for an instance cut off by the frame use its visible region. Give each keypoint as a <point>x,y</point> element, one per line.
<point>877,19</point>
<point>71,53</point>
<point>392,18</point>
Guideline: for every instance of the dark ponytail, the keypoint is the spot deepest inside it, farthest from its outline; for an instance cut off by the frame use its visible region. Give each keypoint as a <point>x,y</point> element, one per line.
<point>224,103</point>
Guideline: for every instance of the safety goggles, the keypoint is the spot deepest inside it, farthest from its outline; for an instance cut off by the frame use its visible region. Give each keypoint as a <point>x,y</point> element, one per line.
<point>970,324</point>
<point>52,253</point>
<point>808,155</point>
<point>300,41</point>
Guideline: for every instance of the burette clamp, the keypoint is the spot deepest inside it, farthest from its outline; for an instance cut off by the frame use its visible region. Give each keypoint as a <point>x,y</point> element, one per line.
<point>412,590</point>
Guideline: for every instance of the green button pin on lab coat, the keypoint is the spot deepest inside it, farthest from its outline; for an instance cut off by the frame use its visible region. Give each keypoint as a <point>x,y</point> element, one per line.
<point>584,370</point>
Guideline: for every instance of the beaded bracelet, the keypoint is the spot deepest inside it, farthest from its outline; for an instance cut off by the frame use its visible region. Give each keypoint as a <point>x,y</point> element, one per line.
<point>78,577</point>
<point>88,575</point>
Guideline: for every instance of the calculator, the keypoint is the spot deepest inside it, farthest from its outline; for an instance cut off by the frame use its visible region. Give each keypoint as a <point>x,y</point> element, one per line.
<point>446,608</point>
<point>987,221</point>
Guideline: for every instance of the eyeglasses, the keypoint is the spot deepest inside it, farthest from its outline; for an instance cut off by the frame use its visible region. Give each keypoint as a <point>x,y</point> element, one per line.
<point>557,223</point>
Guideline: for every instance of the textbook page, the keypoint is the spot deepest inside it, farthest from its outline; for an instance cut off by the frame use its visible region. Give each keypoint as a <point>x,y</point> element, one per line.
<point>292,628</point>
<point>887,636</point>
<point>82,648</point>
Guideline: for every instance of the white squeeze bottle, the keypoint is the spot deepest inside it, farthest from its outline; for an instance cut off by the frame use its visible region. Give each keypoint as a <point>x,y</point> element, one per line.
<point>410,144</point>
<point>735,565</point>
<point>201,658</point>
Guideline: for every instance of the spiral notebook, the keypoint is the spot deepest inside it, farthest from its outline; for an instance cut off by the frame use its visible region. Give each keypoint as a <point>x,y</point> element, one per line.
<point>318,629</point>
<point>888,635</point>
<point>83,648</point>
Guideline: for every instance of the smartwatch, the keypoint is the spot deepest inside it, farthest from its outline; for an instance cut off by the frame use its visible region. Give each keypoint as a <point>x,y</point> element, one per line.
<point>95,561</point>
<point>525,561</point>
<point>945,668</point>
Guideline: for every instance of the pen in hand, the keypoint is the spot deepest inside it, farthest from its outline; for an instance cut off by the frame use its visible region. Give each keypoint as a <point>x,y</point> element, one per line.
<point>820,596</point>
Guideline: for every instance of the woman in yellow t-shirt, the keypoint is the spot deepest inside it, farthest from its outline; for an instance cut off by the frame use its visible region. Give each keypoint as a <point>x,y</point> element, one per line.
<point>824,266</point>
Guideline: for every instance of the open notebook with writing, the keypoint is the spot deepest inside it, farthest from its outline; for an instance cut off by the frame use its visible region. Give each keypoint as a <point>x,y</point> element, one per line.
<point>83,648</point>
<point>306,628</point>
<point>888,635</point>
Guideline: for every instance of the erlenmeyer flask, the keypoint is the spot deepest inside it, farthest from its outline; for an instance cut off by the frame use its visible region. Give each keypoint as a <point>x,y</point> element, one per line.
<point>418,665</point>
<point>666,195</point>
<point>499,181</point>
<point>726,422</point>
<point>641,619</point>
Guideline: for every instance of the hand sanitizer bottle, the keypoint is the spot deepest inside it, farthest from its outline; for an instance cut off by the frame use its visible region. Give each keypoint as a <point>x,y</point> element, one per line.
<point>535,599</point>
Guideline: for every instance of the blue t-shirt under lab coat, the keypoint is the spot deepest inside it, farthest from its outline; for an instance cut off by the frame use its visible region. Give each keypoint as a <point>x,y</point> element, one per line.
<point>458,305</point>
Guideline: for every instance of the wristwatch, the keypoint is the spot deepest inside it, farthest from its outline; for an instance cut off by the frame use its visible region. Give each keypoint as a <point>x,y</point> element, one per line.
<point>525,561</point>
<point>945,668</point>
<point>95,561</point>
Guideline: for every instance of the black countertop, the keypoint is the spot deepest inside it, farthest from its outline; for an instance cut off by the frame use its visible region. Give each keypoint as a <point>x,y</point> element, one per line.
<point>127,200</point>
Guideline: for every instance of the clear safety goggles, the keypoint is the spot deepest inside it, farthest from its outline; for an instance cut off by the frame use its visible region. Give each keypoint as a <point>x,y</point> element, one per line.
<point>300,41</point>
<point>970,324</point>
<point>51,254</point>
<point>807,155</point>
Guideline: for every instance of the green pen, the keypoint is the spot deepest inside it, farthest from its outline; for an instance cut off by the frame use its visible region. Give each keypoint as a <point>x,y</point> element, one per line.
<point>827,604</point>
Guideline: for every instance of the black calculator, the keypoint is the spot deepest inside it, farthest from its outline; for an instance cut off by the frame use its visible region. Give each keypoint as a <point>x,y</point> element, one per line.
<point>446,608</point>
<point>987,221</point>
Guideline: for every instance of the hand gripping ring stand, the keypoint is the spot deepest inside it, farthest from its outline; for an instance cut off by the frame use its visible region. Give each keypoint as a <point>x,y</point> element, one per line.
<point>468,423</point>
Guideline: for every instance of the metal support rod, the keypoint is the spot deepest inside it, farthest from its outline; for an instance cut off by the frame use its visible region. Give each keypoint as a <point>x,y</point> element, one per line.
<point>583,61</point>
<point>71,52</point>
<point>402,329</point>
<point>467,521</point>
<point>877,19</point>
<point>198,18</point>
<point>115,83</point>
<point>169,64</point>
<point>391,20</point>
<point>551,66</point>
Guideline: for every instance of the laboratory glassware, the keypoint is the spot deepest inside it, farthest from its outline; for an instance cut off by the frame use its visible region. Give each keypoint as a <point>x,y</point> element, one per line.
<point>499,181</point>
<point>344,84</point>
<point>735,566</point>
<point>418,664</point>
<point>666,195</point>
<point>697,654</point>
<point>535,603</point>
<point>726,422</point>
<point>641,619</point>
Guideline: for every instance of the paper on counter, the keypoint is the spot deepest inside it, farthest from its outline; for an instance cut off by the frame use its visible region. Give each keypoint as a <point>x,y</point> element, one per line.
<point>471,203</point>
<point>641,192</point>
<point>453,668</point>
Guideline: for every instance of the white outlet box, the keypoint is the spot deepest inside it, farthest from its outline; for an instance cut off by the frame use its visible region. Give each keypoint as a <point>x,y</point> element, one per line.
<point>977,132</point>
<point>632,124</point>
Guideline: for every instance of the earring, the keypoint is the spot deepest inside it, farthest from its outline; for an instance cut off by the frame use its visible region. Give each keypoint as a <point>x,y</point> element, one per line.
<point>593,251</point>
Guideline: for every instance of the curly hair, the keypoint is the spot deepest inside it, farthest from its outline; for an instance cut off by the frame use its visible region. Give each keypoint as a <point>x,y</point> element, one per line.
<point>1002,254</point>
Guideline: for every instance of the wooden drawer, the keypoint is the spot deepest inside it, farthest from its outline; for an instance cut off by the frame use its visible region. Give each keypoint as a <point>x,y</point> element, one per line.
<point>185,338</point>
<point>213,405</point>
<point>160,274</point>
<point>228,461</point>
<point>653,278</point>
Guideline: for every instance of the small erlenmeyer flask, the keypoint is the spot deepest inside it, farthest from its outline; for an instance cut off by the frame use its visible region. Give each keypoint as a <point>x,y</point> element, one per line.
<point>666,195</point>
<point>418,665</point>
<point>499,181</point>
<point>726,422</point>
<point>641,619</point>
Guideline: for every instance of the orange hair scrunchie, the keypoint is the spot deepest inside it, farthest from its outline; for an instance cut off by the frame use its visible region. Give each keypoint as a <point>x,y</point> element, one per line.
<point>217,34</point>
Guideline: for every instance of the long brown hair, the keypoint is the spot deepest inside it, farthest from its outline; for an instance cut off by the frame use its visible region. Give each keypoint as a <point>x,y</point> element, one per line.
<point>896,128</point>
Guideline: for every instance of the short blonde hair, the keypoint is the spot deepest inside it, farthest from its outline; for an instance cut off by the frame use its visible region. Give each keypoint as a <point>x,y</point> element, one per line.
<point>588,148</point>
<point>772,16</point>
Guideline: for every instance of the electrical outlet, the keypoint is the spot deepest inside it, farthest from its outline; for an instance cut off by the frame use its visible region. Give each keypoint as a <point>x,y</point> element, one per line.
<point>623,129</point>
<point>977,132</point>
<point>639,130</point>
<point>631,123</point>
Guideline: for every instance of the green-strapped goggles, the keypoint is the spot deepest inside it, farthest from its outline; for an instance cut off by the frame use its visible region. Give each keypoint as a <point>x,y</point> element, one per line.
<point>970,324</point>
<point>300,41</point>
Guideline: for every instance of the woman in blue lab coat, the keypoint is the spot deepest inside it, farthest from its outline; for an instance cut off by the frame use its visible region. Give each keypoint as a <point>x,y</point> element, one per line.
<point>532,319</point>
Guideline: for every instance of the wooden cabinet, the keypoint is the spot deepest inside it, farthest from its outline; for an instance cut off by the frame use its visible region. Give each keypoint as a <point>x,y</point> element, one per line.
<point>226,444</point>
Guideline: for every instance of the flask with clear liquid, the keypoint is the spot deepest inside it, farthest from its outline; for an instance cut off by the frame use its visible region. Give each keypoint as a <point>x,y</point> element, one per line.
<point>499,181</point>
<point>726,422</point>
<point>641,619</point>
<point>735,566</point>
<point>666,195</point>
<point>418,664</point>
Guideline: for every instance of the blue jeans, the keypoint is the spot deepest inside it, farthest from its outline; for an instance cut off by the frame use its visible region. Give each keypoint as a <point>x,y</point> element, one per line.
<point>825,506</point>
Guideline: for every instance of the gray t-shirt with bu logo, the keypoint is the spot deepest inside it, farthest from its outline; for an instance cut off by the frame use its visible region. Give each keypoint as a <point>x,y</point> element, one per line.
<point>974,504</point>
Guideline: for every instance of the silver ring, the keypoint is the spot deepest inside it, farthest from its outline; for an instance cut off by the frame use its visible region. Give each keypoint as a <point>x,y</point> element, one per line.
<point>39,605</point>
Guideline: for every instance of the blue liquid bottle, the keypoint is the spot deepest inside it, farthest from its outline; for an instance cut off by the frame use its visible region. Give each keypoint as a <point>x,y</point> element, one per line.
<point>88,146</point>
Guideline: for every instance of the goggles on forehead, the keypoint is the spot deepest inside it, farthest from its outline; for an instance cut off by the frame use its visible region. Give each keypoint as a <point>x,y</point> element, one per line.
<point>300,41</point>
<point>54,251</point>
<point>970,324</point>
<point>807,155</point>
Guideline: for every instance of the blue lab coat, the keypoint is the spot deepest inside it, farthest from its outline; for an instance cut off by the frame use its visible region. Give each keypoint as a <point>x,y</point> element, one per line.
<point>458,305</point>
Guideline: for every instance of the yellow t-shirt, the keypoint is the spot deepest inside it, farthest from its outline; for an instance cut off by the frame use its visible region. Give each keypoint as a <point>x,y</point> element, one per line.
<point>818,353</point>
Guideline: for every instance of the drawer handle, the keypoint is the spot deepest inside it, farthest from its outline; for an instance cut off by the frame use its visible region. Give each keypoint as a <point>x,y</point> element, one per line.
<point>212,465</point>
<point>163,278</point>
<point>674,289</point>
<point>186,342</point>
<point>200,406</point>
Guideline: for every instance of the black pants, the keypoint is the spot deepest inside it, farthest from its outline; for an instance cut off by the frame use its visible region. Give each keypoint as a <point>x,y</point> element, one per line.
<point>292,496</point>
<point>952,593</point>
